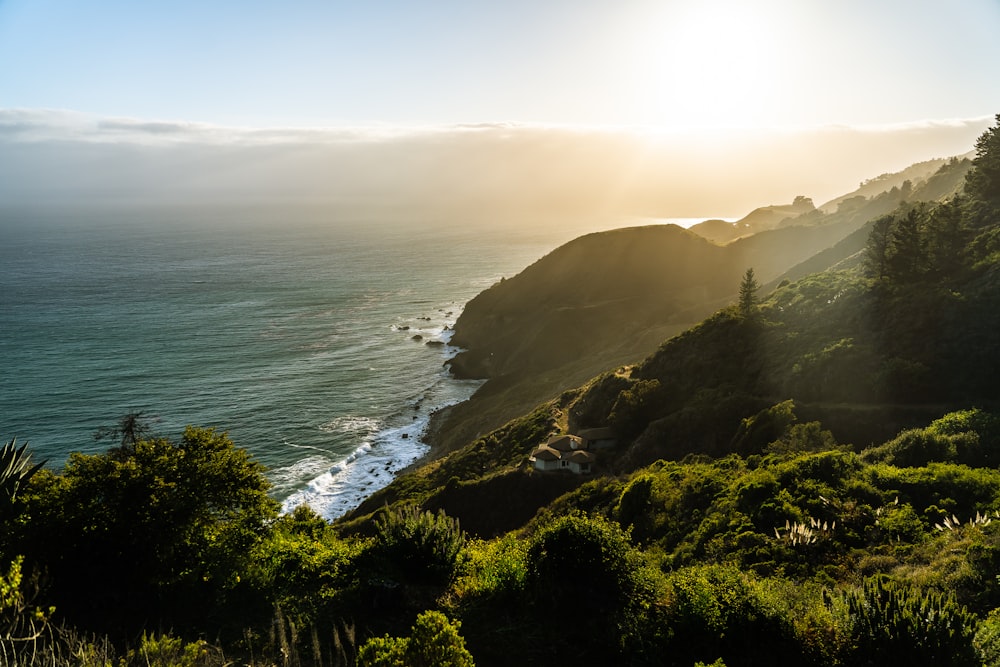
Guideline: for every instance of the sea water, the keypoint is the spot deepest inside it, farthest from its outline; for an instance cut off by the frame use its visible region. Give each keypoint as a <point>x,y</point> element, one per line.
<point>318,343</point>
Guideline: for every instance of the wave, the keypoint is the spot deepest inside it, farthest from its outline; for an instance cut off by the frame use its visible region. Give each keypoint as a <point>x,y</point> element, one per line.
<point>384,446</point>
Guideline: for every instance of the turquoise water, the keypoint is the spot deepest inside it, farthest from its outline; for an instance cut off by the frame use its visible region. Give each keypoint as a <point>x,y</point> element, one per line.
<point>294,333</point>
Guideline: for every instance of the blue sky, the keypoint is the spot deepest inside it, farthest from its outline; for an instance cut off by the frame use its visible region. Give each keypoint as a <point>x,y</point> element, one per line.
<point>590,62</point>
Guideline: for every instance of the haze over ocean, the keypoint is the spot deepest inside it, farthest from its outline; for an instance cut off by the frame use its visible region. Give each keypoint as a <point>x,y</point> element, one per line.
<point>293,334</point>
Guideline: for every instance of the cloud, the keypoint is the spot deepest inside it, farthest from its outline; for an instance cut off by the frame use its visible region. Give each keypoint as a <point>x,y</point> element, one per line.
<point>470,170</point>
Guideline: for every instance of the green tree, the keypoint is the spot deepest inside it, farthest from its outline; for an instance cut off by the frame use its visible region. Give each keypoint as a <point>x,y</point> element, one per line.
<point>585,568</point>
<point>748,294</point>
<point>876,258</point>
<point>948,237</point>
<point>982,183</point>
<point>907,254</point>
<point>158,533</point>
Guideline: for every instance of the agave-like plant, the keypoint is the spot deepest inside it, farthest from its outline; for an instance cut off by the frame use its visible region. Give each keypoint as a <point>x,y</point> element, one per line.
<point>15,469</point>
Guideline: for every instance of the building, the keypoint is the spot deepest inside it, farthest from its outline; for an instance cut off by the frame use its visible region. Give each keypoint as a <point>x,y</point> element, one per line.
<point>563,452</point>
<point>598,438</point>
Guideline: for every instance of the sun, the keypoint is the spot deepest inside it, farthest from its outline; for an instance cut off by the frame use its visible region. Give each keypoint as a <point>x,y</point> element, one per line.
<point>712,63</point>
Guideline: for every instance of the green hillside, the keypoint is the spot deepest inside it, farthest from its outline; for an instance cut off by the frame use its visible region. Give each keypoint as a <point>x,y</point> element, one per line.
<point>611,298</point>
<point>809,476</point>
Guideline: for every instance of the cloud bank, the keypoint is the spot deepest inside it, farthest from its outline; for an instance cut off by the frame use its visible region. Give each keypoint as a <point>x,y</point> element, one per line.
<point>475,170</point>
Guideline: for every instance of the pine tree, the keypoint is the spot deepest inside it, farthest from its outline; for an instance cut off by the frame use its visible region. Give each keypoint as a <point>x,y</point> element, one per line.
<point>748,294</point>
<point>983,182</point>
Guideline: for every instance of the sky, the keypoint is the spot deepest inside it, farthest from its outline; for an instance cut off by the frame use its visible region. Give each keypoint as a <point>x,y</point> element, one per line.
<point>581,91</point>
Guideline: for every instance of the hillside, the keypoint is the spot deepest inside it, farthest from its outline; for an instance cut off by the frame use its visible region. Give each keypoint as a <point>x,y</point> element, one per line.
<point>758,220</point>
<point>864,351</point>
<point>808,477</point>
<point>610,298</point>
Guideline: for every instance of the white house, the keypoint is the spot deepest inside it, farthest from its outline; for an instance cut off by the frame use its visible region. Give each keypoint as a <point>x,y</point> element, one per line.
<point>546,458</point>
<point>563,452</point>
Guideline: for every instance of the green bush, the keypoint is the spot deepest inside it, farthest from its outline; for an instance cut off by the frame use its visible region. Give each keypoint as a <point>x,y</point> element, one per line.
<point>718,610</point>
<point>987,640</point>
<point>893,624</point>
<point>433,642</point>
<point>156,533</point>
<point>417,546</point>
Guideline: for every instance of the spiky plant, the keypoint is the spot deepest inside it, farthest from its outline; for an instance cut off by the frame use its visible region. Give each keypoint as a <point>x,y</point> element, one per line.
<point>895,624</point>
<point>15,470</point>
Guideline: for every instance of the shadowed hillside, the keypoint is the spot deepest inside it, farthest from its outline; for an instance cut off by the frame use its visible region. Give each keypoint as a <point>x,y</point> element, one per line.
<point>611,298</point>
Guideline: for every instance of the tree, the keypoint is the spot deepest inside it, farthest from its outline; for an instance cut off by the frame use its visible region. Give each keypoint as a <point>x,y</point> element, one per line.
<point>876,256</point>
<point>130,429</point>
<point>948,236</point>
<point>156,533</point>
<point>983,181</point>
<point>748,294</point>
<point>907,252</point>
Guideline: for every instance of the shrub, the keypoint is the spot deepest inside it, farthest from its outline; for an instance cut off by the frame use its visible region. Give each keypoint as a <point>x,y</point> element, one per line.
<point>156,533</point>
<point>420,547</point>
<point>713,610</point>
<point>433,642</point>
<point>893,624</point>
<point>987,640</point>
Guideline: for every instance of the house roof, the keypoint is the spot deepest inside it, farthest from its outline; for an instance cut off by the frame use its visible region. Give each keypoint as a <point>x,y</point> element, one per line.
<point>600,433</point>
<point>581,456</point>
<point>546,453</point>
<point>564,443</point>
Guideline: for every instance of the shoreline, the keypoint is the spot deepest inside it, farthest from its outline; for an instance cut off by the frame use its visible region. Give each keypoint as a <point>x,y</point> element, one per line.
<point>429,438</point>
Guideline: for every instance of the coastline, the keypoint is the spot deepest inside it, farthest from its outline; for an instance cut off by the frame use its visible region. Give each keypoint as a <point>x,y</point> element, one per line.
<point>430,437</point>
<point>396,443</point>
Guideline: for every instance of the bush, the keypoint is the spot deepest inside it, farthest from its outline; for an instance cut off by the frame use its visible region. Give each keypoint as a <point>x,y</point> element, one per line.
<point>718,610</point>
<point>987,640</point>
<point>156,533</point>
<point>892,624</point>
<point>433,642</point>
<point>581,565</point>
<point>418,546</point>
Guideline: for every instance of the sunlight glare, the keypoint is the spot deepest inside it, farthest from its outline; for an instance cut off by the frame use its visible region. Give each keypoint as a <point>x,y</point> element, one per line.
<point>713,64</point>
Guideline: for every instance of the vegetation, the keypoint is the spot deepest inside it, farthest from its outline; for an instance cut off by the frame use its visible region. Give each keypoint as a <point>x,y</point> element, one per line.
<point>813,485</point>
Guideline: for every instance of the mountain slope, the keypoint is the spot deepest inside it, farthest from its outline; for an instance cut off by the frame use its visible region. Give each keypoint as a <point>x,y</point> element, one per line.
<point>610,298</point>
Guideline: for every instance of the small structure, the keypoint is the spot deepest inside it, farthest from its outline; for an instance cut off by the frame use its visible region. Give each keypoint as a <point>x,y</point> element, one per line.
<point>580,462</point>
<point>566,443</point>
<point>603,437</point>
<point>546,458</point>
<point>563,452</point>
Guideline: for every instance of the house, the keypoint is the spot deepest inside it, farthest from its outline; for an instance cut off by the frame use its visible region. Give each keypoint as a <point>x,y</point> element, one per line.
<point>563,452</point>
<point>565,443</point>
<point>546,458</point>
<point>598,438</point>
<point>580,461</point>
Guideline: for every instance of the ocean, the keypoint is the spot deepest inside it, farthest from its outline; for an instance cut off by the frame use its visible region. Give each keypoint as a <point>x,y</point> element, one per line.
<point>317,343</point>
